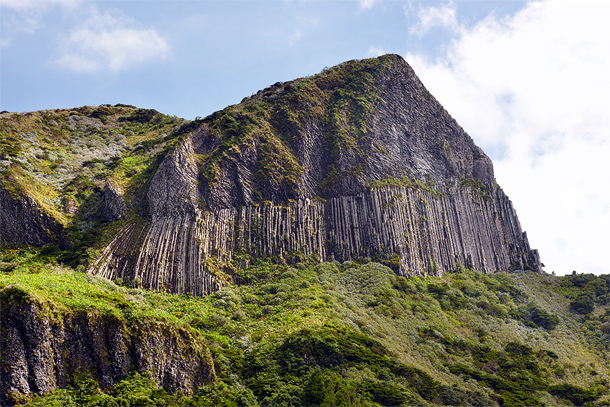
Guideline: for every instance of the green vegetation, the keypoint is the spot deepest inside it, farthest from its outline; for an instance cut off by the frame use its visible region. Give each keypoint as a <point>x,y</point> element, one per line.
<point>62,158</point>
<point>586,290</point>
<point>349,334</point>
<point>136,390</point>
<point>407,182</point>
<point>478,188</point>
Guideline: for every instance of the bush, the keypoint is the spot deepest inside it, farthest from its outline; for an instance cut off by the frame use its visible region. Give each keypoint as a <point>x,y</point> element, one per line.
<point>221,394</point>
<point>582,304</point>
<point>136,390</point>
<point>387,394</point>
<point>542,318</point>
<point>597,287</point>
<point>575,394</point>
<point>324,388</point>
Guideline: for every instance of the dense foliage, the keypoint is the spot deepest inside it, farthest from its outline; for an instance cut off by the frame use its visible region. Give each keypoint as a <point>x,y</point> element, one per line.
<point>350,334</point>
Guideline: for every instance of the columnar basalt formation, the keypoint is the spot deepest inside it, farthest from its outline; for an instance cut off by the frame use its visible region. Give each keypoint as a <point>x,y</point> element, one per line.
<point>416,232</point>
<point>357,161</point>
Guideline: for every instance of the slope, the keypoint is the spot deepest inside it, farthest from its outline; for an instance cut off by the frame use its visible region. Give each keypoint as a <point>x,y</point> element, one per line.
<point>68,177</point>
<point>357,334</point>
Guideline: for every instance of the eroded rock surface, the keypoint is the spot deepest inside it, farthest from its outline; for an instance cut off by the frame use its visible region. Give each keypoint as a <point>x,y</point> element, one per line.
<point>42,347</point>
<point>23,221</point>
<point>358,161</point>
<point>113,207</point>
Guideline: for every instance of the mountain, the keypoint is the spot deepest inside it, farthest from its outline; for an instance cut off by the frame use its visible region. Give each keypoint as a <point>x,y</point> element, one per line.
<point>333,240</point>
<point>358,161</point>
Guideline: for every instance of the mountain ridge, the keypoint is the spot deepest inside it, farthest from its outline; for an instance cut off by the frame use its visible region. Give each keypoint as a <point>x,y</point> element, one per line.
<point>356,161</point>
<point>312,245</point>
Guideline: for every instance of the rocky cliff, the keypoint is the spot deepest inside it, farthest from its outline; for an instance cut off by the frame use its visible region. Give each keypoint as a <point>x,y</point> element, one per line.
<point>23,221</point>
<point>357,161</point>
<point>43,346</point>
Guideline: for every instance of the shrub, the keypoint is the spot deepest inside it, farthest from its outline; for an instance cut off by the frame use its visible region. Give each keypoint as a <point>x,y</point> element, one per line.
<point>575,394</point>
<point>542,318</point>
<point>580,280</point>
<point>582,304</point>
<point>452,396</point>
<point>219,393</point>
<point>597,287</point>
<point>327,388</point>
<point>387,394</point>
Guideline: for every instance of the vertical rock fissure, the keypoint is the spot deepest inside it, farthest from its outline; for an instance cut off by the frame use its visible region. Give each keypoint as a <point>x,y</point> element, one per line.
<point>429,234</point>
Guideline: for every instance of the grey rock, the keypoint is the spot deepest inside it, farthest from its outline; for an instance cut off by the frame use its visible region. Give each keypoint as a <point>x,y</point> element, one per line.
<point>451,214</point>
<point>23,221</point>
<point>113,207</point>
<point>173,189</point>
<point>41,348</point>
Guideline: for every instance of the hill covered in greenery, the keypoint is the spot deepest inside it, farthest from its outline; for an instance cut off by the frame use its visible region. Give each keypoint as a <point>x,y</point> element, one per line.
<point>348,334</point>
<point>311,245</point>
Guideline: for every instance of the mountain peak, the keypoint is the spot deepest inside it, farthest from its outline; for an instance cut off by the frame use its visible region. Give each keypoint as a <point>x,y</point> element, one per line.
<point>332,134</point>
<point>358,161</point>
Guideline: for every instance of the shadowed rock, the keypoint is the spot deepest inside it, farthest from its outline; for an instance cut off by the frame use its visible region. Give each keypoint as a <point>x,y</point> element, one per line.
<point>23,221</point>
<point>41,348</point>
<point>114,207</point>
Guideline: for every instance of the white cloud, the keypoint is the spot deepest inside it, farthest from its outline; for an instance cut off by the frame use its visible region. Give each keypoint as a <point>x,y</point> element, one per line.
<point>37,4</point>
<point>24,16</point>
<point>435,17</point>
<point>106,42</point>
<point>295,37</point>
<point>368,4</point>
<point>376,51</point>
<point>302,25</point>
<point>533,91</point>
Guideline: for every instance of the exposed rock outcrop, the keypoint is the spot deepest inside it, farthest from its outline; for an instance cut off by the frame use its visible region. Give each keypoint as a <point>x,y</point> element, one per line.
<point>358,161</point>
<point>173,189</point>
<point>416,231</point>
<point>113,207</point>
<point>23,221</point>
<point>42,347</point>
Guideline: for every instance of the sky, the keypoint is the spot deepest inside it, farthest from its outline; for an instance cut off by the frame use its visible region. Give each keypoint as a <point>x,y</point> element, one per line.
<point>529,81</point>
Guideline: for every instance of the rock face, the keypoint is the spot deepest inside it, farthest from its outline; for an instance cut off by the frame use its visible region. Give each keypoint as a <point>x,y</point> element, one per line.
<point>114,206</point>
<point>22,220</point>
<point>357,161</point>
<point>41,351</point>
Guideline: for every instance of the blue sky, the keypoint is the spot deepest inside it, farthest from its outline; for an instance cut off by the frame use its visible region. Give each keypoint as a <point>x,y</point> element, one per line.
<point>528,80</point>
<point>191,58</point>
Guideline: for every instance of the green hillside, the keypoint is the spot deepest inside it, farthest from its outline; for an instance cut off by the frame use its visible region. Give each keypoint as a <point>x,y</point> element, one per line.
<point>350,334</point>
<point>62,158</point>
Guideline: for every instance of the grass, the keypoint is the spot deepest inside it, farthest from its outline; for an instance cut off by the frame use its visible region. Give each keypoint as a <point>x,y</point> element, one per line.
<point>357,334</point>
<point>408,182</point>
